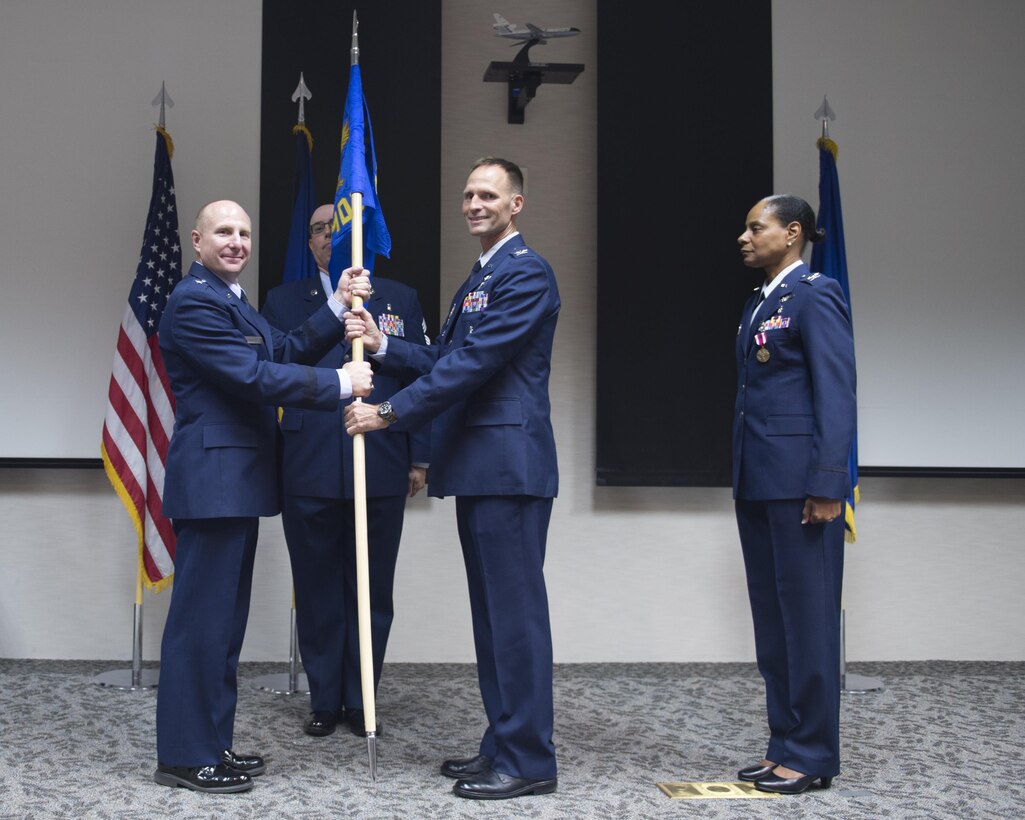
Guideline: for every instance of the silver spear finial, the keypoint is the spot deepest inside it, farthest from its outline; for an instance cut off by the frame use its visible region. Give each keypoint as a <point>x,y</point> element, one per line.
<point>825,113</point>
<point>301,93</point>
<point>163,99</point>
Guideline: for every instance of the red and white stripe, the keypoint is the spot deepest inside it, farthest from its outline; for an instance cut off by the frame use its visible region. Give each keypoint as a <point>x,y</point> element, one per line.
<point>136,431</point>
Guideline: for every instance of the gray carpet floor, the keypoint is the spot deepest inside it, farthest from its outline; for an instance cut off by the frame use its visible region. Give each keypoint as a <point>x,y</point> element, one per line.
<point>943,740</point>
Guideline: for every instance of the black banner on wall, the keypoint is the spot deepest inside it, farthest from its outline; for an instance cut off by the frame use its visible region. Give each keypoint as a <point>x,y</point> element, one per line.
<point>400,61</point>
<point>684,151</point>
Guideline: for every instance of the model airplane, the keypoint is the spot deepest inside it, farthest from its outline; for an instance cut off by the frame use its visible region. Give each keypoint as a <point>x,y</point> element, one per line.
<point>529,32</point>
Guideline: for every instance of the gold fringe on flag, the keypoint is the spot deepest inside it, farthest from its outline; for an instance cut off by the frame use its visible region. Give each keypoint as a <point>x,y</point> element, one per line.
<point>829,145</point>
<point>850,534</point>
<point>302,129</point>
<point>133,513</point>
<point>167,140</point>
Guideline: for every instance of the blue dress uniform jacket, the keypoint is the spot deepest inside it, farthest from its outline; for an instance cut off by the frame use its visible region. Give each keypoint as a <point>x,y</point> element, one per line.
<point>486,382</point>
<point>317,482</point>
<point>795,412</point>
<point>485,387</point>
<point>223,362</point>
<point>224,365</point>
<point>317,457</point>
<point>793,425</point>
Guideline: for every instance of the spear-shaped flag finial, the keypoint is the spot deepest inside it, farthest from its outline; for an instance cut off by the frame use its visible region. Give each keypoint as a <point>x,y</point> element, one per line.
<point>301,93</point>
<point>163,99</point>
<point>825,113</point>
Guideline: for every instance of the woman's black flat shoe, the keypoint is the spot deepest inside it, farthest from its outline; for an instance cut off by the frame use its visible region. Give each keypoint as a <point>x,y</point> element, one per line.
<point>791,785</point>
<point>752,773</point>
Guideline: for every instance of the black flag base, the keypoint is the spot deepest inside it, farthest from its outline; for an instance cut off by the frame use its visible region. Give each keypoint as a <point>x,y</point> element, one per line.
<point>128,680</point>
<point>292,682</point>
<point>851,684</point>
<point>860,684</point>
<point>131,680</point>
<point>283,683</point>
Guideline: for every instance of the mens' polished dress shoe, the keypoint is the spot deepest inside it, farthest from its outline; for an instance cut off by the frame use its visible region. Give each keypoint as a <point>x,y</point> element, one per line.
<point>251,765</point>
<point>492,785</point>
<point>791,785</point>
<point>466,766</point>
<point>354,719</point>
<point>218,779</point>
<point>321,724</point>
<point>752,773</point>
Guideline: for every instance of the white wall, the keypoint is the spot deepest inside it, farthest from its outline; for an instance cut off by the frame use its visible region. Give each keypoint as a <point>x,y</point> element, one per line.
<point>634,574</point>
<point>930,118</point>
<point>76,83</point>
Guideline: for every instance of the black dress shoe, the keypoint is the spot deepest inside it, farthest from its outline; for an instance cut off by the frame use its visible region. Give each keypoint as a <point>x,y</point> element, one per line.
<point>752,773</point>
<point>354,719</point>
<point>791,785</point>
<point>251,765</point>
<point>492,785</point>
<point>218,779</point>
<point>466,766</point>
<point>321,724</point>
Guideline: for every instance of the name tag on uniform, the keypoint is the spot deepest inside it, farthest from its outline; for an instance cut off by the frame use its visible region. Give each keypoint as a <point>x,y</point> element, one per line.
<point>391,324</point>
<point>254,340</point>
<point>475,301</point>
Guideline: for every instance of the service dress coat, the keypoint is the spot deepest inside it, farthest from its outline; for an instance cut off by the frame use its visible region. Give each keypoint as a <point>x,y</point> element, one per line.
<point>793,425</point>
<point>224,362</point>
<point>227,368</point>
<point>484,386</point>
<point>485,382</point>
<point>317,505</point>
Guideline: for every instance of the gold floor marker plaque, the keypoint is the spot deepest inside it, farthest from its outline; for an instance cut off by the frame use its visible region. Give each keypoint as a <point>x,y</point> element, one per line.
<point>713,791</point>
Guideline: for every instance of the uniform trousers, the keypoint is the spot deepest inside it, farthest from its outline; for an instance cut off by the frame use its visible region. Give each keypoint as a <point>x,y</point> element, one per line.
<point>794,582</point>
<point>321,538</point>
<point>203,634</point>
<point>503,540</point>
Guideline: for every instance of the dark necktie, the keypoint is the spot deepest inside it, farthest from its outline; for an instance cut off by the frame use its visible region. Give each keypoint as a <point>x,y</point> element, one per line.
<point>750,320</point>
<point>457,306</point>
<point>247,309</point>
<point>250,314</point>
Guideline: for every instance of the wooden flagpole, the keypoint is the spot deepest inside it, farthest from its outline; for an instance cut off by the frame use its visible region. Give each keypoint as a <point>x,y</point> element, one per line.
<point>359,473</point>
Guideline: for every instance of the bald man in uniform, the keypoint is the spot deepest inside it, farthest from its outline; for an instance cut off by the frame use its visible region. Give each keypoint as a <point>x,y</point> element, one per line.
<point>228,370</point>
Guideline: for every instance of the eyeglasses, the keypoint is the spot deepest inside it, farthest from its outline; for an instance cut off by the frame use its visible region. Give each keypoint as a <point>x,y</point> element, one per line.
<point>318,228</point>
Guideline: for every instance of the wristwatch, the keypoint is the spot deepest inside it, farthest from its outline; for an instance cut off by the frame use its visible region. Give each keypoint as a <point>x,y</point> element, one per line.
<point>385,412</point>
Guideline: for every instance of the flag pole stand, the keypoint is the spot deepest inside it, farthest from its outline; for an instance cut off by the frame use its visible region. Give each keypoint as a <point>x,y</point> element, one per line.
<point>130,680</point>
<point>851,684</point>
<point>292,682</point>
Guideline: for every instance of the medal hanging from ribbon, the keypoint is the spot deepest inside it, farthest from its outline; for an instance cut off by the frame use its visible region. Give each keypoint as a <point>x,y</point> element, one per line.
<point>763,352</point>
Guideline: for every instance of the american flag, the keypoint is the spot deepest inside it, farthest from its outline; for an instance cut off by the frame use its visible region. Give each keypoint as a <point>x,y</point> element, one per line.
<point>140,406</point>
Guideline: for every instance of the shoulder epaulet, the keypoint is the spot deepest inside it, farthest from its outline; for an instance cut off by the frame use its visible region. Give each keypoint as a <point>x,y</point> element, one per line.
<point>520,251</point>
<point>808,278</point>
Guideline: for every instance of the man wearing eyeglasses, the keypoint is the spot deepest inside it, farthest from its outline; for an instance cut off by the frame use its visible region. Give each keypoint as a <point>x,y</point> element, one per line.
<point>317,509</point>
